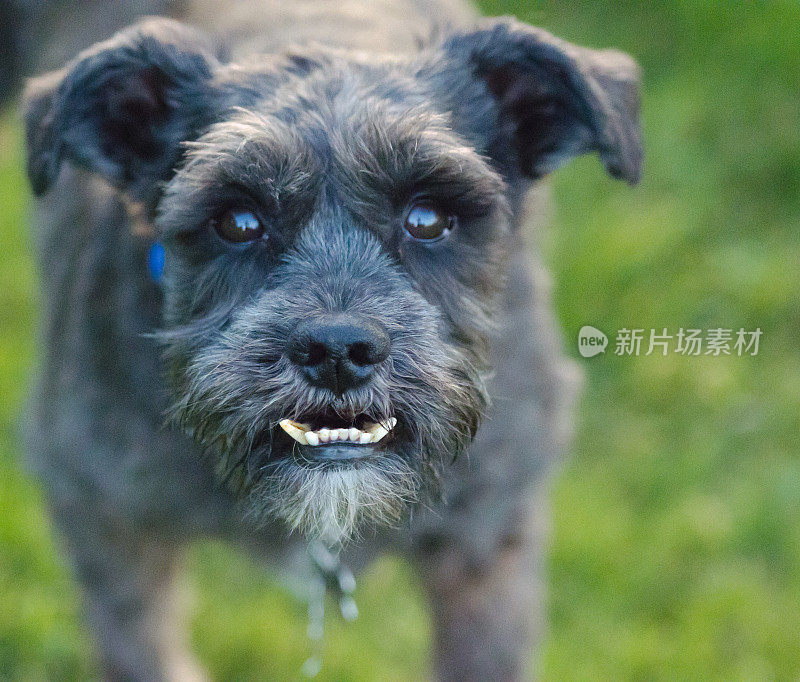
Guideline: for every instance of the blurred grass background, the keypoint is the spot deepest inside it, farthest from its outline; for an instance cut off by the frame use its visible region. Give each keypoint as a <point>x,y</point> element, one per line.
<point>676,545</point>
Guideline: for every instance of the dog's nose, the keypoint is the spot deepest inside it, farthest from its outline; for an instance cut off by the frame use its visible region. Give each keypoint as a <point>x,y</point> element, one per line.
<point>338,352</point>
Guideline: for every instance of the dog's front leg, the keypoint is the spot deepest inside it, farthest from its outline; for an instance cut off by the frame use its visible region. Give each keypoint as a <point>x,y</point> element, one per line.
<point>131,599</point>
<point>487,606</point>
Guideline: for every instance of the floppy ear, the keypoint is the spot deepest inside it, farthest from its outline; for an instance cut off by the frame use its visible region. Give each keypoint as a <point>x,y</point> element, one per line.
<point>545,99</point>
<point>122,107</point>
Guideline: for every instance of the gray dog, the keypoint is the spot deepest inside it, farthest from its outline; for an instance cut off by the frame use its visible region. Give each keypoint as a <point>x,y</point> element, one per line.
<point>350,337</point>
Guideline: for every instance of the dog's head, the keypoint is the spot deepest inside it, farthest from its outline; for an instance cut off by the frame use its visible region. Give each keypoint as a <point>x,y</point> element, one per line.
<point>336,228</point>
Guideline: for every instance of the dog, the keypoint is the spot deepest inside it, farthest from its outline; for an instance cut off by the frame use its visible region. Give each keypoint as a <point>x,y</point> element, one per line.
<point>290,292</point>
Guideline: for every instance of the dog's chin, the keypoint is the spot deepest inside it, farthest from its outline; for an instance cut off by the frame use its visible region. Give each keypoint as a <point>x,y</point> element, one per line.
<point>335,497</point>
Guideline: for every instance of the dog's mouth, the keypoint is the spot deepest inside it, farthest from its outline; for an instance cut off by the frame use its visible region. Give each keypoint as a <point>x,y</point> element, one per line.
<point>328,437</point>
<point>361,431</point>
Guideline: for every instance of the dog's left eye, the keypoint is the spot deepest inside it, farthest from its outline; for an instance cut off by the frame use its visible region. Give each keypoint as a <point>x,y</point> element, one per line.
<point>426,223</point>
<point>239,227</point>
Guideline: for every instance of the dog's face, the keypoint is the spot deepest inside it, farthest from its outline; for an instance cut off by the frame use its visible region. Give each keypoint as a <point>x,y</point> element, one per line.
<point>336,230</point>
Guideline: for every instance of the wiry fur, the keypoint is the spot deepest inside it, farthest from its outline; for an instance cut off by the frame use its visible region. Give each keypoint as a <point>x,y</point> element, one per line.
<point>333,503</point>
<point>231,399</point>
<point>164,130</point>
<point>226,342</point>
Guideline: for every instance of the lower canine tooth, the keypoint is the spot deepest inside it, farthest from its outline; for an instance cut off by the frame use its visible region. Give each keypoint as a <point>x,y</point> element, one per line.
<point>297,425</point>
<point>378,433</point>
<point>298,434</point>
<point>387,426</point>
<point>380,430</point>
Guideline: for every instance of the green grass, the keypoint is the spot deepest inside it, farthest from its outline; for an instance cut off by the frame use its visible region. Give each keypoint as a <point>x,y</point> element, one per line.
<point>676,545</point>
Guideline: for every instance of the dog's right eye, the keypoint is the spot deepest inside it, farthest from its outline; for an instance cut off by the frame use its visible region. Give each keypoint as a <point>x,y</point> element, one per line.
<point>239,226</point>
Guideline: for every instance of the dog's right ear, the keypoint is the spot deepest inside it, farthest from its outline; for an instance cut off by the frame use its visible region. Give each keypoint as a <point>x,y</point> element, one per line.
<point>122,108</point>
<point>541,100</point>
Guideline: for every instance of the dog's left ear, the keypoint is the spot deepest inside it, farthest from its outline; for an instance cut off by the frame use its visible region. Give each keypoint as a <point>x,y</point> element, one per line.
<point>543,99</point>
<point>122,107</point>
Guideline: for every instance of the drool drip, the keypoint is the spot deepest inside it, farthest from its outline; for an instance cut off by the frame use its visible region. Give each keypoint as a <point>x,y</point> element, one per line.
<point>337,579</point>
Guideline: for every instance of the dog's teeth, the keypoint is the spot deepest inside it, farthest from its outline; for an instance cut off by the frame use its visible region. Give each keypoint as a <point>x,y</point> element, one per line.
<point>371,433</point>
<point>387,426</point>
<point>297,425</point>
<point>294,431</point>
<point>378,433</point>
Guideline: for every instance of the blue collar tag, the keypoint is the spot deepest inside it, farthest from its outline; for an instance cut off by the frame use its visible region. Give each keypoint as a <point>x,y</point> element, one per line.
<point>155,261</point>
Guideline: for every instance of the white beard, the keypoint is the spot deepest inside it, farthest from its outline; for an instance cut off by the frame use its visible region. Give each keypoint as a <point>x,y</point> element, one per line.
<point>333,503</point>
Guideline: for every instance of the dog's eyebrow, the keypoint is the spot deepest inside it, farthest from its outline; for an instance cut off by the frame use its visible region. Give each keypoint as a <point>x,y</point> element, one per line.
<point>397,155</point>
<point>280,181</point>
<point>254,151</point>
<point>247,155</point>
